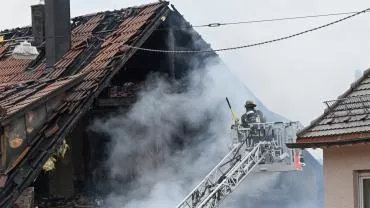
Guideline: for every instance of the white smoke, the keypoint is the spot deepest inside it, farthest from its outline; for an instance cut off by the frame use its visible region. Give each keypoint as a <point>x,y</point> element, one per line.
<point>162,176</point>
<point>158,173</point>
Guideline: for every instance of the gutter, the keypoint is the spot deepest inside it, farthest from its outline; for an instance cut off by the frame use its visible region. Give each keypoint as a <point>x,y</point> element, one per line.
<point>327,144</point>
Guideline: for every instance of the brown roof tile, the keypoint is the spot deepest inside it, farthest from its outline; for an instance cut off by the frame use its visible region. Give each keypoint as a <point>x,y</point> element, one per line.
<point>84,31</point>
<point>38,93</point>
<point>79,74</point>
<point>10,66</point>
<point>112,46</point>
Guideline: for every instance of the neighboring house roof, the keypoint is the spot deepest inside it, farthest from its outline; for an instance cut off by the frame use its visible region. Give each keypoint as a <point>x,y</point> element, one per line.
<point>97,53</point>
<point>345,121</point>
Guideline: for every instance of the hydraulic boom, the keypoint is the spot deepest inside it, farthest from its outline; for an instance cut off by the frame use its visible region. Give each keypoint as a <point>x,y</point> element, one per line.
<point>226,176</point>
<point>259,147</point>
<point>256,147</point>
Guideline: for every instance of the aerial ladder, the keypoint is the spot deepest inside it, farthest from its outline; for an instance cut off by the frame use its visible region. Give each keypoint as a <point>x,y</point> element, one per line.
<point>260,147</point>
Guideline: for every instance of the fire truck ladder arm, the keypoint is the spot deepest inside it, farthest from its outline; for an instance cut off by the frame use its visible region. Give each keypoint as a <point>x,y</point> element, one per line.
<point>226,176</point>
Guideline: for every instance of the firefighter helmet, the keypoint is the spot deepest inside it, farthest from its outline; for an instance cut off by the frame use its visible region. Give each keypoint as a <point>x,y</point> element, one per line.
<point>250,104</point>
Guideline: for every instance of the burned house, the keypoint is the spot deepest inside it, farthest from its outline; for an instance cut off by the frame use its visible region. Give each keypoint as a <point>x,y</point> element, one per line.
<point>87,67</point>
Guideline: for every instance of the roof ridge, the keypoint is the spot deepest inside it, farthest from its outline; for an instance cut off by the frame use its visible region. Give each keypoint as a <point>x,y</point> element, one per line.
<point>122,9</point>
<point>10,30</point>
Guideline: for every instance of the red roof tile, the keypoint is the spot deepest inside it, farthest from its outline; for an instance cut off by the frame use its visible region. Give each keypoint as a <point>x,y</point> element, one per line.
<point>18,81</point>
<point>15,71</point>
<point>11,67</point>
<point>84,31</point>
<point>64,63</point>
<point>41,92</point>
<point>112,46</point>
<point>96,55</point>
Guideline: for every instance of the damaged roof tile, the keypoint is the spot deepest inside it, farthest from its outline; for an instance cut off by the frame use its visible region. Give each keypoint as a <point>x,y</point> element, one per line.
<point>14,71</point>
<point>97,52</point>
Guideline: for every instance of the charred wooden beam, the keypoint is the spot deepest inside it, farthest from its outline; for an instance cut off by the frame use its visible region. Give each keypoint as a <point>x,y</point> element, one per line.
<point>3,180</point>
<point>171,56</point>
<point>115,102</point>
<point>3,112</point>
<point>26,200</point>
<point>51,131</point>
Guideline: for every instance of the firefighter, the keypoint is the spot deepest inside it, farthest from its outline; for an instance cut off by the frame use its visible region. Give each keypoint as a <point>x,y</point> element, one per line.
<point>251,115</point>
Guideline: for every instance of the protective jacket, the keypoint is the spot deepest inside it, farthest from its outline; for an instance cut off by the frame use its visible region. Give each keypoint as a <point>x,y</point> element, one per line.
<point>252,116</point>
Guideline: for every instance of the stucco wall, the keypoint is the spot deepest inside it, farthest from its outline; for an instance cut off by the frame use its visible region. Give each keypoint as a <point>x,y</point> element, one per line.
<point>339,166</point>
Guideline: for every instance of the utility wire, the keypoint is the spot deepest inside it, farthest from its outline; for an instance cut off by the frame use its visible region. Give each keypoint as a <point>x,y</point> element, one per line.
<point>217,24</point>
<point>249,45</point>
<point>273,20</point>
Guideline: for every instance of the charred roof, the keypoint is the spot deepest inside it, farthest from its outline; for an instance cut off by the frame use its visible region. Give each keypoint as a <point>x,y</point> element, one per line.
<point>60,95</point>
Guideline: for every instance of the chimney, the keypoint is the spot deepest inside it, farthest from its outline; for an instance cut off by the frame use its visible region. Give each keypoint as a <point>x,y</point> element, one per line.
<point>58,30</point>
<point>38,23</point>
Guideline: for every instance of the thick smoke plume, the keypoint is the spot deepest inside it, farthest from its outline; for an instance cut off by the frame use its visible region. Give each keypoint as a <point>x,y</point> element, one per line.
<point>172,137</point>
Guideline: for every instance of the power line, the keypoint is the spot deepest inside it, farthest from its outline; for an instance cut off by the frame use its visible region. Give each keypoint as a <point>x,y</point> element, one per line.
<point>273,20</point>
<point>218,24</point>
<point>249,45</point>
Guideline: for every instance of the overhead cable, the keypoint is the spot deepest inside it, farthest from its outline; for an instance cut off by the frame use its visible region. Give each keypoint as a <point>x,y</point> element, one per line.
<point>249,45</point>
<point>217,24</point>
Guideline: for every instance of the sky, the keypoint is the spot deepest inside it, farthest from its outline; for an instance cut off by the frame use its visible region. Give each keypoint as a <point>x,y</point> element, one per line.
<point>291,77</point>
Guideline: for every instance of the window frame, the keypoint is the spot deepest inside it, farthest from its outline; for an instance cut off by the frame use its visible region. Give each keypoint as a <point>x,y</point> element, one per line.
<point>360,176</point>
